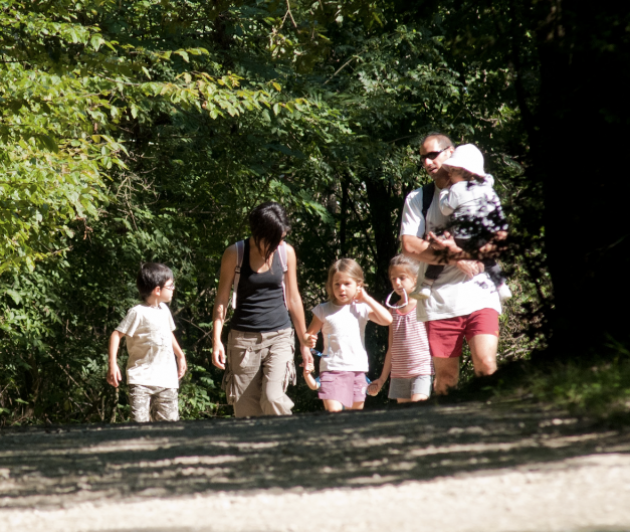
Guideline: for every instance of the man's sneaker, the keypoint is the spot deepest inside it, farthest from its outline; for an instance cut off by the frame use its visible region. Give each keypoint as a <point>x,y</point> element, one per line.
<point>504,292</point>
<point>422,294</point>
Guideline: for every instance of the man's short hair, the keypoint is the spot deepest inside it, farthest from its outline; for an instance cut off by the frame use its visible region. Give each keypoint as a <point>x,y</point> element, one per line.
<point>444,141</point>
<point>151,275</point>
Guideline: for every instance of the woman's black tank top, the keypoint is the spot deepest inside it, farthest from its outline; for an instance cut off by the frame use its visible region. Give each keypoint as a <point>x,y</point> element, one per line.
<point>259,300</point>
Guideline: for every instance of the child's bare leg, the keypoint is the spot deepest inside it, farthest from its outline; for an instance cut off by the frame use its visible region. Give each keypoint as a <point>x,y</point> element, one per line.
<point>332,406</point>
<point>418,397</point>
<point>414,398</point>
<point>358,406</point>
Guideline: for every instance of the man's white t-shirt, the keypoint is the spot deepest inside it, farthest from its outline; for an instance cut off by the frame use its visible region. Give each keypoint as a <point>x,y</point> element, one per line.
<point>344,336</point>
<point>149,341</point>
<point>453,293</point>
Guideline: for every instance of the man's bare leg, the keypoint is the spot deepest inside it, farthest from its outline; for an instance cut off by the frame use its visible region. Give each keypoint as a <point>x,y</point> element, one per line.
<point>483,349</point>
<point>446,374</point>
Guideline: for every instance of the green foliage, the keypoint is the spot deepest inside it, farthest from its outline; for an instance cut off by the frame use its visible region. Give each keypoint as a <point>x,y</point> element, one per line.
<point>147,130</point>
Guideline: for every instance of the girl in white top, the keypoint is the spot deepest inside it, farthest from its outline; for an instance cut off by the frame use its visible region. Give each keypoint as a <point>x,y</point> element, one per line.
<point>342,321</point>
<point>408,357</point>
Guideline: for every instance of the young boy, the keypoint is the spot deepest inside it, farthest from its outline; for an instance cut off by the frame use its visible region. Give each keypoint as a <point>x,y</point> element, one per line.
<point>152,371</point>
<point>476,214</point>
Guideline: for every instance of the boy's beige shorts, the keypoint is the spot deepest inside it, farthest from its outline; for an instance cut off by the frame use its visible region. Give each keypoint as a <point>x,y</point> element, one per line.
<point>152,403</point>
<point>260,367</point>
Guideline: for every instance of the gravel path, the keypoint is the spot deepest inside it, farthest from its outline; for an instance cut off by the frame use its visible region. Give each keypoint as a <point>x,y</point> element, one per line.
<point>470,467</point>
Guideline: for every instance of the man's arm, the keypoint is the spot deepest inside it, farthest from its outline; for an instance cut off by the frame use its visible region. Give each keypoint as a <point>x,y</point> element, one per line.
<point>419,249</point>
<point>412,225</point>
<point>422,250</point>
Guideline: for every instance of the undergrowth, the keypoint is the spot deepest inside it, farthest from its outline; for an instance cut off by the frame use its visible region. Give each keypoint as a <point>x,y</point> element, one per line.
<point>598,389</point>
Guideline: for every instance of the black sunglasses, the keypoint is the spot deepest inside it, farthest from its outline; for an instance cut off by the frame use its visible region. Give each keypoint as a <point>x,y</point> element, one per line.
<point>431,155</point>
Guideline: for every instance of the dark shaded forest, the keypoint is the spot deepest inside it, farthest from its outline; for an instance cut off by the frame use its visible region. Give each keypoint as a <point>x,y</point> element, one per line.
<point>147,130</point>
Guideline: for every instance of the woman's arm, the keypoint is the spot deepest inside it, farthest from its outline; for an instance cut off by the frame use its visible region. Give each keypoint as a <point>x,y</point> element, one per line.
<point>226,279</point>
<point>295,305</point>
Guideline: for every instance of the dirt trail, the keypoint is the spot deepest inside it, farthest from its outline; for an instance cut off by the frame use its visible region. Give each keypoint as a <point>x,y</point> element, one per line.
<point>471,467</point>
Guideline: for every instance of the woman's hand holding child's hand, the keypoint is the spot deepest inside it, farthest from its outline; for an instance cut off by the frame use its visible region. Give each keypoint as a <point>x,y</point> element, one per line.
<point>310,340</point>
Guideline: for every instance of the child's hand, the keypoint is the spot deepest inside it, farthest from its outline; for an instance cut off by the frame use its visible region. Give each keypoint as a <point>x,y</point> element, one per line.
<point>310,340</point>
<point>375,387</point>
<point>361,296</point>
<point>181,367</point>
<point>309,367</point>
<point>114,377</point>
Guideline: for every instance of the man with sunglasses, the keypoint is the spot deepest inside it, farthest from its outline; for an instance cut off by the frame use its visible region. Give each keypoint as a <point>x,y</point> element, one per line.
<point>463,302</point>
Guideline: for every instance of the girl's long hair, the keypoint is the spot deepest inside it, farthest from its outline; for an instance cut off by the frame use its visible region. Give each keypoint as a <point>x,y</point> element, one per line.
<point>269,224</point>
<point>347,266</point>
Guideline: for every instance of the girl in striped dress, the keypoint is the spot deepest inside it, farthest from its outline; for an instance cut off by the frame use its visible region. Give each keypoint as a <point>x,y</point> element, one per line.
<point>408,357</point>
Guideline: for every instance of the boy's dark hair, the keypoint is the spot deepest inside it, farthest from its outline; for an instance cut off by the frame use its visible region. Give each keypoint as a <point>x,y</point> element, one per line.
<point>269,223</point>
<point>152,274</point>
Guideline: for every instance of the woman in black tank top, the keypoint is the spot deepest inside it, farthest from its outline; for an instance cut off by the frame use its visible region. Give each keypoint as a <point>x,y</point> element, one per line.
<point>259,361</point>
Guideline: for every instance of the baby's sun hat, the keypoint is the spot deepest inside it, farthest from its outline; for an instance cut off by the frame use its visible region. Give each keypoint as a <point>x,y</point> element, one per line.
<point>468,157</point>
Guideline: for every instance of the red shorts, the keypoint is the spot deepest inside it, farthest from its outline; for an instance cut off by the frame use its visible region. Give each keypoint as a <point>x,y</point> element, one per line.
<point>446,337</point>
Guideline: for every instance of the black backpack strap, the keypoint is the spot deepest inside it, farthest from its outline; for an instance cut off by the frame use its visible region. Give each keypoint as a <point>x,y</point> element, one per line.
<point>428,191</point>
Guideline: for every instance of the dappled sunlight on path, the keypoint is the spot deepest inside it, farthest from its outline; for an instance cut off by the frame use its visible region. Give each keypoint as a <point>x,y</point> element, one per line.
<point>64,465</point>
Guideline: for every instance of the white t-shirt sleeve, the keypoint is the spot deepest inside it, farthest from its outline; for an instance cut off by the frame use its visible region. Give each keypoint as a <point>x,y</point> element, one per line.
<point>130,323</point>
<point>448,201</point>
<point>412,220</point>
<point>364,311</point>
<point>318,312</point>
<point>171,323</point>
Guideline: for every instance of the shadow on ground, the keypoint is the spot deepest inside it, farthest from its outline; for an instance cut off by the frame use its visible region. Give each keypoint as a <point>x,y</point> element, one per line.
<point>64,465</point>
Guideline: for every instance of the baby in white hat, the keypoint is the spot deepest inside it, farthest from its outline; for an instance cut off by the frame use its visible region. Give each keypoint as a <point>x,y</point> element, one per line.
<point>475,211</point>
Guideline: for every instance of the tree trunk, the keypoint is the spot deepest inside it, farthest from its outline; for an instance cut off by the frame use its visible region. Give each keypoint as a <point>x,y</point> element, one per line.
<point>382,206</point>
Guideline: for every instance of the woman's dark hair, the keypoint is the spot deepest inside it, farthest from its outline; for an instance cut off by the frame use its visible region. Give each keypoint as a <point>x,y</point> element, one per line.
<point>269,224</point>
<point>152,274</point>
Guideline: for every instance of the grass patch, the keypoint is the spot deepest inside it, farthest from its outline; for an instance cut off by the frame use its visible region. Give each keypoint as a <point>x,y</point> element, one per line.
<point>600,390</point>
<point>597,389</point>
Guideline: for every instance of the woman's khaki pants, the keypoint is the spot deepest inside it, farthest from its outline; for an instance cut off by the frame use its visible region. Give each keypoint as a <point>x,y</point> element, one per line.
<point>259,369</point>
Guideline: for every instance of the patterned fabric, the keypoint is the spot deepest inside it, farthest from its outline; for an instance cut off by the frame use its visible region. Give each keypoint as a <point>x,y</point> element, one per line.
<point>152,403</point>
<point>410,347</point>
